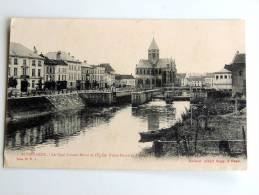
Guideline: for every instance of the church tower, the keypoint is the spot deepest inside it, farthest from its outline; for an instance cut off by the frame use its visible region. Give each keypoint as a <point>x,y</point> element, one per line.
<point>153,52</point>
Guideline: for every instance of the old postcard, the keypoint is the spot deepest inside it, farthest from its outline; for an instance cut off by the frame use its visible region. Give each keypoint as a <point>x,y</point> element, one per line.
<point>126,94</point>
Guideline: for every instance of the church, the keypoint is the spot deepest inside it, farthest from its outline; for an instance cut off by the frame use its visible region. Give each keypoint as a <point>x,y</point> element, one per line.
<point>155,71</point>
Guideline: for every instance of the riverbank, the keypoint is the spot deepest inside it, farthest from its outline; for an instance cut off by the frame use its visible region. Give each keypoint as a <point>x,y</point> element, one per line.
<point>26,108</point>
<point>213,127</point>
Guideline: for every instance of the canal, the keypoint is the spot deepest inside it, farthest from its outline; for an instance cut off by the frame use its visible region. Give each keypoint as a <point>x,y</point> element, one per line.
<point>92,130</point>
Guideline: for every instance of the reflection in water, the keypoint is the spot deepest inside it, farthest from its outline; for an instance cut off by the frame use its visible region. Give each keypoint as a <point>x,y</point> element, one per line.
<point>93,127</point>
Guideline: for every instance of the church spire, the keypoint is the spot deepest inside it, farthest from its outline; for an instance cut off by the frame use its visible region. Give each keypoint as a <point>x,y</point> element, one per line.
<point>153,52</point>
<point>153,45</point>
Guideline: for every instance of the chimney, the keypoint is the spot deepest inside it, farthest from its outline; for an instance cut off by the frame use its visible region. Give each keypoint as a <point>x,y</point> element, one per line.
<point>35,50</point>
<point>58,55</point>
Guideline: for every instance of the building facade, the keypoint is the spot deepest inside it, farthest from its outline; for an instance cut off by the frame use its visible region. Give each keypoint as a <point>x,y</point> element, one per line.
<point>196,81</point>
<point>25,66</point>
<point>155,71</point>
<point>122,80</point>
<point>109,74</point>
<point>209,80</point>
<point>238,72</point>
<point>87,72</point>
<point>98,76</point>
<point>181,79</point>
<point>222,80</point>
<point>55,70</point>
<point>74,67</point>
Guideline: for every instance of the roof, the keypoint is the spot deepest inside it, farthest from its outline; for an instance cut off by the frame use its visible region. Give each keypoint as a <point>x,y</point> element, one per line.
<point>17,49</point>
<point>63,55</point>
<point>108,67</point>
<point>239,60</point>
<point>52,62</point>
<point>223,70</point>
<point>123,76</point>
<point>162,63</point>
<point>196,78</point>
<point>209,75</point>
<point>180,75</point>
<point>153,45</point>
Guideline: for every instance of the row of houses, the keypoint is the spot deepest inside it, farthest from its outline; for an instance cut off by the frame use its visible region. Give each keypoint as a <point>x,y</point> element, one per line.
<point>221,80</point>
<point>231,77</point>
<point>29,68</point>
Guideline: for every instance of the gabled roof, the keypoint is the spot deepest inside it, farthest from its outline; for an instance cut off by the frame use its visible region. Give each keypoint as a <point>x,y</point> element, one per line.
<point>153,45</point>
<point>108,67</point>
<point>17,49</point>
<point>123,76</point>
<point>162,63</point>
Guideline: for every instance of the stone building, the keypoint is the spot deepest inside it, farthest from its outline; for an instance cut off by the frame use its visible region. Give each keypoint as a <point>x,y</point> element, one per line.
<point>109,74</point>
<point>74,67</point>
<point>123,80</point>
<point>181,79</point>
<point>98,76</point>
<point>222,80</point>
<point>209,80</point>
<point>196,81</point>
<point>238,72</point>
<point>25,66</point>
<point>155,71</point>
<point>55,70</point>
<point>87,72</point>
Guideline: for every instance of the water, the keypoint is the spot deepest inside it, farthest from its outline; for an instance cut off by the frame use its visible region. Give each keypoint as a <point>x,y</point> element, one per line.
<point>112,129</point>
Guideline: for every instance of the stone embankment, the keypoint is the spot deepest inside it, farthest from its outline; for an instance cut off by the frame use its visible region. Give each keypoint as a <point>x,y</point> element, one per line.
<point>24,108</point>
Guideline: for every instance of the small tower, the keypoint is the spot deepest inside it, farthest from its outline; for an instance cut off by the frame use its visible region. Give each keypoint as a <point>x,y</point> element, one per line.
<point>153,52</point>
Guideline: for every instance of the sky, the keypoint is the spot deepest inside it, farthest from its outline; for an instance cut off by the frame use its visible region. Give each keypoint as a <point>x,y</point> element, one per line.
<point>196,45</point>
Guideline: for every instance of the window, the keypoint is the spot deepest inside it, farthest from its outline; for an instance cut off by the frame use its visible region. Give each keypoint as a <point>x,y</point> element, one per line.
<point>10,61</point>
<point>59,77</point>
<point>24,62</point>
<point>47,77</point>
<point>39,72</point>
<point>39,63</point>
<point>15,61</point>
<point>33,72</point>
<point>217,77</point>
<point>33,63</point>
<point>240,73</point>
<point>226,76</point>
<point>24,71</point>
<point>221,76</point>
<point>32,83</point>
<point>15,71</point>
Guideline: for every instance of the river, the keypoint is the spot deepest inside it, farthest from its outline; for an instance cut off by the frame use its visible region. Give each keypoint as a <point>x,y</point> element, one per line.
<point>107,129</point>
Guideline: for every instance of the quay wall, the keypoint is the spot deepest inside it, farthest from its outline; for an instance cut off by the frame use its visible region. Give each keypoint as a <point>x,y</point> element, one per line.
<point>34,106</point>
<point>29,107</point>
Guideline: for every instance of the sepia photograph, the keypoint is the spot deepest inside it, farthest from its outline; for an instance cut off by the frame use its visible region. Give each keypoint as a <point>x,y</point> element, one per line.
<point>126,94</point>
